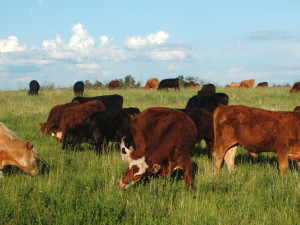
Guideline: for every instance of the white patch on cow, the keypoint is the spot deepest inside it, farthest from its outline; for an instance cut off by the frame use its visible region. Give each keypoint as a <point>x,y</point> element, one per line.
<point>59,134</point>
<point>141,164</point>
<point>23,162</point>
<point>125,156</point>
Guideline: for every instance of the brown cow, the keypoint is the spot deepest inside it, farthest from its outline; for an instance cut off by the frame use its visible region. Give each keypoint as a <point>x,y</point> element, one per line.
<point>295,88</point>
<point>248,83</point>
<point>257,130</point>
<point>263,84</point>
<point>165,139</point>
<point>193,84</point>
<point>152,84</point>
<point>75,115</point>
<point>235,84</point>
<point>54,117</point>
<point>17,153</point>
<point>114,84</point>
<point>297,109</point>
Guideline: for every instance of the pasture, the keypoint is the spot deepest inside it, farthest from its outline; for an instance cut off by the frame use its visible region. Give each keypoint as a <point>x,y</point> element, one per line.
<point>80,187</point>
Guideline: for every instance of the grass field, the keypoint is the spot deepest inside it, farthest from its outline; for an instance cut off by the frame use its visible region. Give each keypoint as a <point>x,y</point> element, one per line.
<point>80,187</point>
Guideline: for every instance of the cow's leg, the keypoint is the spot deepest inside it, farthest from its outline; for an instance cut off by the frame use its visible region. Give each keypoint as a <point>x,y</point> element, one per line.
<point>187,167</point>
<point>229,158</point>
<point>218,155</point>
<point>283,162</point>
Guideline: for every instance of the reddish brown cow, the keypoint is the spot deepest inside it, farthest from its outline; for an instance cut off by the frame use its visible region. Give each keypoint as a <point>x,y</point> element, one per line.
<point>295,88</point>
<point>164,139</point>
<point>263,84</point>
<point>17,153</point>
<point>193,84</point>
<point>114,84</point>
<point>257,130</point>
<point>248,83</point>
<point>55,116</point>
<point>75,115</point>
<point>152,84</point>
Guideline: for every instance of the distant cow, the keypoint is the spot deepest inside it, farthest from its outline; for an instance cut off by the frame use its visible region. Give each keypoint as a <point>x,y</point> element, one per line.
<point>114,84</point>
<point>104,126</point>
<point>164,141</point>
<point>257,130</point>
<point>169,83</point>
<point>235,84</point>
<point>248,83</point>
<point>15,152</point>
<point>263,84</point>
<point>34,88</point>
<point>207,98</point>
<point>152,84</point>
<point>55,116</point>
<point>110,101</point>
<point>295,88</point>
<point>297,109</point>
<point>75,115</point>
<point>78,88</point>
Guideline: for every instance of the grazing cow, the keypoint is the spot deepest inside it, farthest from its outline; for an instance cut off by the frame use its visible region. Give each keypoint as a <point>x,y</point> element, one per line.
<point>297,109</point>
<point>248,83</point>
<point>257,130</point>
<point>110,101</point>
<point>15,152</point>
<point>204,123</point>
<point>164,141</point>
<point>114,84</point>
<point>78,88</point>
<point>192,84</point>
<point>169,83</point>
<point>263,84</point>
<point>207,98</point>
<point>102,127</point>
<point>75,115</point>
<point>152,84</point>
<point>235,84</point>
<point>55,116</point>
<point>295,88</point>
<point>34,88</point>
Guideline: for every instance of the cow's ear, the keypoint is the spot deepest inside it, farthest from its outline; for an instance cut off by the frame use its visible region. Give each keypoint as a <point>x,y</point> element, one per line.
<point>155,168</point>
<point>28,145</point>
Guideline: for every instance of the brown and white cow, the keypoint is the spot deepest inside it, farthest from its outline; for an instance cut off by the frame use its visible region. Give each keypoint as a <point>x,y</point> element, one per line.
<point>257,130</point>
<point>17,153</point>
<point>152,84</point>
<point>248,83</point>
<point>55,116</point>
<point>295,88</point>
<point>75,115</point>
<point>164,141</point>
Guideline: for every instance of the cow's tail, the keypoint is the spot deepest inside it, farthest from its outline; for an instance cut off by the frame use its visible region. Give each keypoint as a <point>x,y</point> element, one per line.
<point>216,114</point>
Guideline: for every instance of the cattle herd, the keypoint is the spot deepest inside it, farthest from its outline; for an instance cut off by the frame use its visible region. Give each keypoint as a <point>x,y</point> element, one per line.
<point>159,139</point>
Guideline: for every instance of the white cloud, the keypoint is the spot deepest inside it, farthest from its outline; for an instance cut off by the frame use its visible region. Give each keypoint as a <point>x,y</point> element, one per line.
<point>173,67</point>
<point>11,44</point>
<point>137,42</point>
<point>168,54</point>
<point>89,66</point>
<point>80,39</point>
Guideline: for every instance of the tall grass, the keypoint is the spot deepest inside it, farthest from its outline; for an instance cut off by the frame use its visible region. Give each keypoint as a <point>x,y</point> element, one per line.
<point>80,187</point>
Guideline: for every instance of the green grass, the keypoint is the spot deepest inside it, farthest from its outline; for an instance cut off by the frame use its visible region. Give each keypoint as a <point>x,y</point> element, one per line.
<point>80,187</point>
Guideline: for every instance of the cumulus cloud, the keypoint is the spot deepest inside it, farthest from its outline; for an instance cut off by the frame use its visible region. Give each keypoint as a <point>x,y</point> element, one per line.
<point>80,39</point>
<point>11,44</point>
<point>137,42</point>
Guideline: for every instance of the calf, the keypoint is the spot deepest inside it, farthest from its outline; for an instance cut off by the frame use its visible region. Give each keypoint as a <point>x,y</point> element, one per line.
<point>169,83</point>
<point>110,101</point>
<point>164,141</point>
<point>55,116</point>
<point>34,88</point>
<point>75,115</point>
<point>257,130</point>
<point>78,88</point>
<point>104,126</point>
<point>17,153</point>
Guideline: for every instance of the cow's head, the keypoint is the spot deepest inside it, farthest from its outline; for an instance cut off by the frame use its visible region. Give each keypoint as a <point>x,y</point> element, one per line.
<point>28,159</point>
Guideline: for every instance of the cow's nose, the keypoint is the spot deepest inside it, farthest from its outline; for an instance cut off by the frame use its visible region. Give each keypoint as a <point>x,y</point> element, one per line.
<point>123,150</point>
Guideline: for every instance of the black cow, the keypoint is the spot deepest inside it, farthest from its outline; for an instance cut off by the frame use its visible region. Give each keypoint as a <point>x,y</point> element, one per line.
<point>169,83</point>
<point>207,98</point>
<point>110,101</point>
<point>102,127</point>
<point>34,88</point>
<point>78,88</point>
<point>203,120</point>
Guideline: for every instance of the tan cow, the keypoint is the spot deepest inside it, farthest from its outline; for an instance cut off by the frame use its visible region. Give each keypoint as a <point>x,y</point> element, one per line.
<point>152,83</point>
<point>15,152</point>
<point>235,84</point>
<point>248,83</point>
<point>257,130</point>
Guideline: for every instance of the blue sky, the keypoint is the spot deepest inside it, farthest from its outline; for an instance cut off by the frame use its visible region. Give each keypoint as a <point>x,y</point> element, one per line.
<point>63,41</point>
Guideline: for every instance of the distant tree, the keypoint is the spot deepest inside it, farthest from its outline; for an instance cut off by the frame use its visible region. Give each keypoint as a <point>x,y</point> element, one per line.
<point>88,84</point>
<point>129,81</point>
<point>47,85</point>
<point>98,84</point>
